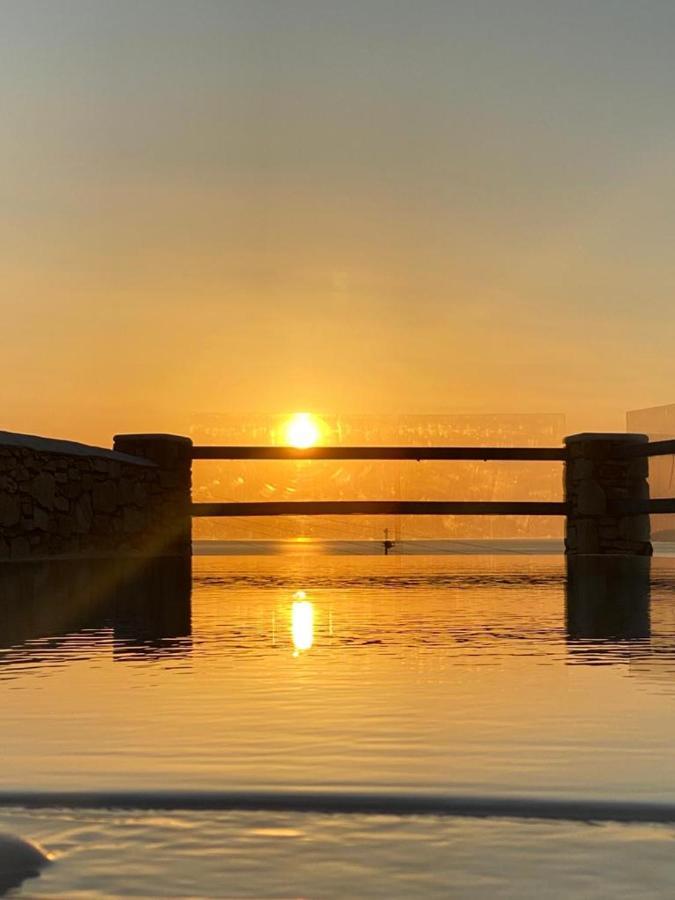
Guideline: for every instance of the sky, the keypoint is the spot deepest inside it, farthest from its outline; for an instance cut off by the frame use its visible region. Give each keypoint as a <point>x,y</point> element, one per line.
<point>372,206</point>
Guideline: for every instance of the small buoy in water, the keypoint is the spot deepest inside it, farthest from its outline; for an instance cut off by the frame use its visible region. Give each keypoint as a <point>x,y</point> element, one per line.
<point>19,860</point>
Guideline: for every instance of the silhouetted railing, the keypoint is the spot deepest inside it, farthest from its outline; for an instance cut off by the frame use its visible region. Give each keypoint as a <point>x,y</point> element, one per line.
<point>422,507</point>
<point>653,448</point>
<point>657,506</point>
<point>517,454</point>
<point>654,507</point>
<point>383,507</point>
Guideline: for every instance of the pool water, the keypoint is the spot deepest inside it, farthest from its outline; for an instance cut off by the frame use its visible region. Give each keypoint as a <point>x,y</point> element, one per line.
<point>247,854</point>
<point>439,675</point>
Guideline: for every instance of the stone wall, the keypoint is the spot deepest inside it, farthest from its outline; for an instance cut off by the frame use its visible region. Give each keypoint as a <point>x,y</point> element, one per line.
<point>59,498</point>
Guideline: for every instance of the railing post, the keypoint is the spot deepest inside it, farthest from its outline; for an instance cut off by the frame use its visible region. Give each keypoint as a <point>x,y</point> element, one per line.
<point>169,508</point>
<point>597,483</point>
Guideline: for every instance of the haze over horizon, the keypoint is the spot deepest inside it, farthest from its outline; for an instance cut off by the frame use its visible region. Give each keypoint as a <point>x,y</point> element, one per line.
<point>364,207</point>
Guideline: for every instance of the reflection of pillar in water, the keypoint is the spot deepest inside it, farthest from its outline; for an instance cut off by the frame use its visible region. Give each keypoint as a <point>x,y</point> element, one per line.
<point>607,598</point>
<point>151,607</point>
<point>145,601</point>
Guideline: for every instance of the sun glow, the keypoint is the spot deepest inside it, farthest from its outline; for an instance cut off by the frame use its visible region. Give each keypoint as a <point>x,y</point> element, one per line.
<point>302,431</point>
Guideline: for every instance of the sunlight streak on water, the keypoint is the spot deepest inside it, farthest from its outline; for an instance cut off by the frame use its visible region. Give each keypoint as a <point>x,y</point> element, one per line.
<point>302,623</point>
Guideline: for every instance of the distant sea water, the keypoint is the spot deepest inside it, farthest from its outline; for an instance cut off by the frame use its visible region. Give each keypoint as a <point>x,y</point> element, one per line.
<point>476,547</point>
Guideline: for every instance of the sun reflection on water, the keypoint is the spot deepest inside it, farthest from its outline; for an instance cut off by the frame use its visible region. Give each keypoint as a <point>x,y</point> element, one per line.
<point>302,623</point>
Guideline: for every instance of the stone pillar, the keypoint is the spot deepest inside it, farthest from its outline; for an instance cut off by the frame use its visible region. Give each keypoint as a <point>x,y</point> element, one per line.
<point>599,488</point>
<point>170,519</point>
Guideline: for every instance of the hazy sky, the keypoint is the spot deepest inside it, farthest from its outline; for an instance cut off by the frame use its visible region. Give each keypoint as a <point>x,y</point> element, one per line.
<point>337,206</point>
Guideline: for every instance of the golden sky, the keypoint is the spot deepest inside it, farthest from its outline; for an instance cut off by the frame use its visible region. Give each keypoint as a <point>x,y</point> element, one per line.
<point>366,206</point>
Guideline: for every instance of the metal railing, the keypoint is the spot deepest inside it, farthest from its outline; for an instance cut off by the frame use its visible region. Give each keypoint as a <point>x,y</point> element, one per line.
<point>653,448</point>
<point>484,454</point>
<point>382,507</point>
<point>419,507</point>
<point>653,506</point>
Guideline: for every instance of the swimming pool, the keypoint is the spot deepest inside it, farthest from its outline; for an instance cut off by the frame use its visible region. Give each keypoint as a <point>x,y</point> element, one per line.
<point>437,677</point>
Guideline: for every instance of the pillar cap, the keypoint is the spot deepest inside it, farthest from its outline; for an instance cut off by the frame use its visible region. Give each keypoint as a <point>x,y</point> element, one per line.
<point>622,436</point>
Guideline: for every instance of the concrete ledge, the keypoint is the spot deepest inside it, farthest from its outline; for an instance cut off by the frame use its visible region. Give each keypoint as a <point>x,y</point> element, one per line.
<point>38,444</point>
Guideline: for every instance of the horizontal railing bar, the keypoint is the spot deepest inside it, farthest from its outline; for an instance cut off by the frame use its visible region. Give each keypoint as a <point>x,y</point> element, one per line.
<point>653,448</point>
<point>520,454</point>
<point>641,507</point>
<point>662,506</point>
<point>381,508</point>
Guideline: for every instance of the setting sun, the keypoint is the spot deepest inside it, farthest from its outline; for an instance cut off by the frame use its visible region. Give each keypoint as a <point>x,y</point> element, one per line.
<point>302,431</point>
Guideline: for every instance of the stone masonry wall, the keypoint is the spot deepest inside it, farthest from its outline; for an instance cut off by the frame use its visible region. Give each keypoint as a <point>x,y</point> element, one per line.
<point>59,498</point>
<point>598,484</point>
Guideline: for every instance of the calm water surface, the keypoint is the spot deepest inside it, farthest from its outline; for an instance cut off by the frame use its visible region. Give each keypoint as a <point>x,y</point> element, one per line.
<point>354,673</point>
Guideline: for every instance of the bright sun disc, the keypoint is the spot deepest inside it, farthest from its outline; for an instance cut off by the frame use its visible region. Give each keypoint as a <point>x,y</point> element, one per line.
<point>302,431</point>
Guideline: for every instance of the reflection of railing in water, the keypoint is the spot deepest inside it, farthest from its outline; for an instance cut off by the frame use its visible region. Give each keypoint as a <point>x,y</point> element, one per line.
<point>144,602</point>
